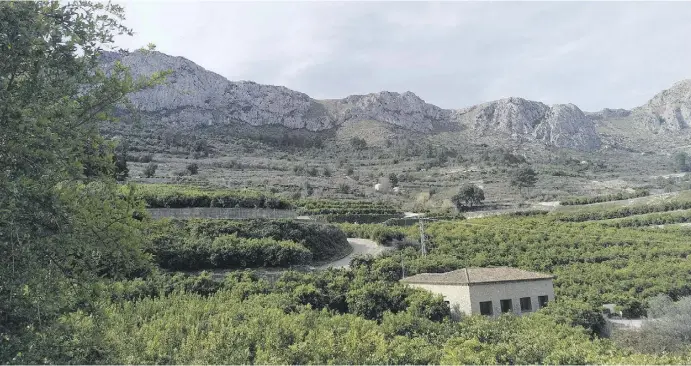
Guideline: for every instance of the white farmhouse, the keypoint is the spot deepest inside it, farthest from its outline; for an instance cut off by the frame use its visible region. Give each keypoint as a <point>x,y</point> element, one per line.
<point>488,291</point>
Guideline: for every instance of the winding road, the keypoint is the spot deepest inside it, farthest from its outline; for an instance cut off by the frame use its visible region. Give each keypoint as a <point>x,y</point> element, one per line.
<point>360,247</point>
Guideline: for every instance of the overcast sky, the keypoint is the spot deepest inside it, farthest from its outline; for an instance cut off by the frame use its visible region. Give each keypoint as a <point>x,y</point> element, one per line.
<point>593,54</point>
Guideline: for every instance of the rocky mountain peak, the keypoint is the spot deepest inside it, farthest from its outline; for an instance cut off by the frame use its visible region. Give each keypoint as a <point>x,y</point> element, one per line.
<point>194,96</point>
<point>562,125</point>
<point>668,110</point>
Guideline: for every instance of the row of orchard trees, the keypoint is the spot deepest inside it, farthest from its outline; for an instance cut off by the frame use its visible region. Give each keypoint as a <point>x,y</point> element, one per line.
<point>592,262</point>
<point>221,244</point>
<point>343,317</point>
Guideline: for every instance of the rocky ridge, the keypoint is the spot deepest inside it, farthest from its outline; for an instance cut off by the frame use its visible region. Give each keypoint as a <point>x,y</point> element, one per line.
<point>194,96</point>
<point>669,110</point>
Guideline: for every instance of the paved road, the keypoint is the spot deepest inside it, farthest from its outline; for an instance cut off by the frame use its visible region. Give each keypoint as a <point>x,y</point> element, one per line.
<point>360,247</point>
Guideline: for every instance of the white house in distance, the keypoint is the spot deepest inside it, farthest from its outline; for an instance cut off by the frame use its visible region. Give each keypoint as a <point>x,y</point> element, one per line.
<point>488,291</point>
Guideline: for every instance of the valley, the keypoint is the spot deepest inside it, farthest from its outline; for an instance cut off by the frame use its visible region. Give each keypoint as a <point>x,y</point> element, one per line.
<point>155,212</point>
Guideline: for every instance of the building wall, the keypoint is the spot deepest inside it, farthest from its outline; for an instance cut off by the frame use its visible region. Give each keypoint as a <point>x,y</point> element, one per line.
<point>458,296</point>
<point>509,290</point>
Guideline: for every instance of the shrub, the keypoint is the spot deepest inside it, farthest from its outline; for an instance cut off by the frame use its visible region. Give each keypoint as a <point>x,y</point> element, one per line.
<point>468,196</point>
<point>605,198</point>
<point>384,235</point>
<point>358,143</point>
<point>150,170</point>
<point>227,251</point>
<point>193,168</point>
<point>178,196</point>
<point>343,188</point>
<point>324,241</point>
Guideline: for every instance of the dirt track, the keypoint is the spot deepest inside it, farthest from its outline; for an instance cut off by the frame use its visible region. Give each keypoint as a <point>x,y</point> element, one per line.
<point>360,247</point>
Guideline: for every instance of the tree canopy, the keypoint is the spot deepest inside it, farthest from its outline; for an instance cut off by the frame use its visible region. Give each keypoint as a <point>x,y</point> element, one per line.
<point>468,196</point>
<point>524,177</point>
<point>62,220</point>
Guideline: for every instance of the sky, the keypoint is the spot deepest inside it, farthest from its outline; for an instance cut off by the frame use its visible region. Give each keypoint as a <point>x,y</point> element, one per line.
<point>452,54</point>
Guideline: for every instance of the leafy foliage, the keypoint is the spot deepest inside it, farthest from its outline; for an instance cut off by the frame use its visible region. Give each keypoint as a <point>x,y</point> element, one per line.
<point>62,223</point>
<point>606,198</point>
<point>150,170</point>
<point>306,318</point>
<point>175,244</point>
<point>621,212</point>
<point>176,196</point>
<point>524,177</point>
<point>592,263</point>
<point>192,168</point>
<point>682,161</point>
<point>381,234</point>
<point>358,143</point>
<point>468,196</point>
<point>227,251</point>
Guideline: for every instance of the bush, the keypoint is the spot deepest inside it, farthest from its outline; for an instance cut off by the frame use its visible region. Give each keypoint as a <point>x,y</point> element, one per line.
<point>178,196</point>
<point>384,235</point>
<point>227,251</point>
<point>621,212</point>
<point>343,188</point>
<point>150,170</point>
<point>468,196</point>
<point>193,168</point>
<point>323,241</point>
<point>605,198</point>
<point>358,143</point>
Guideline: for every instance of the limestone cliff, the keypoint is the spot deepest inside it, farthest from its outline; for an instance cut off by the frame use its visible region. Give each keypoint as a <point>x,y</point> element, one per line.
<point>669,110</point>
<point>193,96</point>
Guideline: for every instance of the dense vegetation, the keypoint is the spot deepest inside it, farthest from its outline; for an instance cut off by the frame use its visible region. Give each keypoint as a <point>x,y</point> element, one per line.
<point>227,251</point>
<point>331,207</point>
<point>173,196</point>
<point>206,243</point>
<point>605,198</point>
<point>662,218</point>
<point>331,317</point>
<point>79,281</point>
<point>625,211</point>
<point>379,233</point>
<point>362,212</point>
<point>592,262</point>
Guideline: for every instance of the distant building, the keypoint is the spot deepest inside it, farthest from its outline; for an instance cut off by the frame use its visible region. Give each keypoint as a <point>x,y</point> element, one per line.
<point>488,291</point>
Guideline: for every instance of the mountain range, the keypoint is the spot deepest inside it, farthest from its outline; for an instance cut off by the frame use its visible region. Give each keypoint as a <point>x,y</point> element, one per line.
<point>193,96</point>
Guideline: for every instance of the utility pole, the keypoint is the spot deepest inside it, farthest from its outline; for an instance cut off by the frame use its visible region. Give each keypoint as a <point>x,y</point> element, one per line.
<point>422,237</point>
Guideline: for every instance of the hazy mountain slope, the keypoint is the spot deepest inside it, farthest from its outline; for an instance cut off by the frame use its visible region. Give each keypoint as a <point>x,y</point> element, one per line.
<point>668,110</point>
<point>662,124</point>
<point>562,125</point>
<point>194,96</point>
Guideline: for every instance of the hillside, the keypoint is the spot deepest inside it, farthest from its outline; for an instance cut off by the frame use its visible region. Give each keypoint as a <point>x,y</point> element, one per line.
<point>196,97</point>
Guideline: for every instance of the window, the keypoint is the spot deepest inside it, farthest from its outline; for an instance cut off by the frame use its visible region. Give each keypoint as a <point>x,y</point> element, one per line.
<point>526,305</point>
<point>506,306</point>
<point>486,307</point>
<point>542,300</point>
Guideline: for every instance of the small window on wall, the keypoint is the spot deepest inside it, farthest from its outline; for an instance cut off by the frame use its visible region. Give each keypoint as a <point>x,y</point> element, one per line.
<point>526,305</point>
<point>486,308</point>
<point>542,300</point>
<point>506,306</point>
